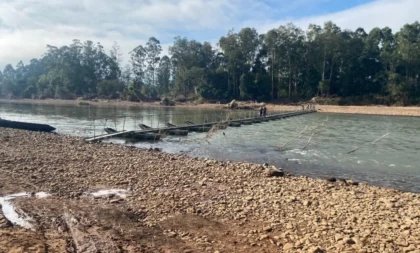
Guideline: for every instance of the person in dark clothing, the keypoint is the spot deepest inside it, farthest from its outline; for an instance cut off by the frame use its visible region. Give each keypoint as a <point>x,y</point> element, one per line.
<point>261,111</point>
<point>265,111</point>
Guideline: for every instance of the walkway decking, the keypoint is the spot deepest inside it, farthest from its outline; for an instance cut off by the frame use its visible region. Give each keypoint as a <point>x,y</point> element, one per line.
<point>236,122</point>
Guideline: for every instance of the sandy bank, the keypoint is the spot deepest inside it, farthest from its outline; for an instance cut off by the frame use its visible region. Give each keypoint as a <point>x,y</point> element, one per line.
<point>370,110</point>
<point>183,204</point>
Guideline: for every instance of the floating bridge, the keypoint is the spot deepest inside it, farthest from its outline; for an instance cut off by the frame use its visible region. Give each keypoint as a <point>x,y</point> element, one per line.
<point>190,126</point>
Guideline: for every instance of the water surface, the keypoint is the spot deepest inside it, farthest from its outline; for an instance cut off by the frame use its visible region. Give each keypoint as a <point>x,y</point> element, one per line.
<point>393,161</point>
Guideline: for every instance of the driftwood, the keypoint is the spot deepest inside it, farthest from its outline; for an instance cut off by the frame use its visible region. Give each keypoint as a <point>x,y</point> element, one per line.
<point>354,150</point>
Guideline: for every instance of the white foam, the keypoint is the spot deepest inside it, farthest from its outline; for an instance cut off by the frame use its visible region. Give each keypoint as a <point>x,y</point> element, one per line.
<point>9,210</point>
<point>119,192</point>
<point>42,195</point>
<point>10,213</point>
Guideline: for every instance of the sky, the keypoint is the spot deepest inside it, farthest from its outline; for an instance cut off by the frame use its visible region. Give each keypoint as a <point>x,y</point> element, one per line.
<point>27,26</point>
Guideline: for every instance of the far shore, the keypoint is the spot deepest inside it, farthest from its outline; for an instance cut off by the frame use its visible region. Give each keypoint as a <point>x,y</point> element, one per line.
<point>369,110</point>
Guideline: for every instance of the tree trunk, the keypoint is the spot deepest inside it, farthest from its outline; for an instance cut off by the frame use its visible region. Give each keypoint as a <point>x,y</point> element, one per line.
<point>323,67</point>
<point>229,88</point>
<point>331,73</point>
<point>290,79</point>
<point>272,74</point>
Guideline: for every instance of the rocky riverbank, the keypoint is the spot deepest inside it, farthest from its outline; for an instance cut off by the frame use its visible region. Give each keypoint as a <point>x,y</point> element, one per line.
<point>174,203</point>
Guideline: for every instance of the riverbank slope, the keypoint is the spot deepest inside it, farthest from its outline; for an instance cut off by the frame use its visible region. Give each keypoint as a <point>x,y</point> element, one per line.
<point>369,110</point>
<point>176,203</point>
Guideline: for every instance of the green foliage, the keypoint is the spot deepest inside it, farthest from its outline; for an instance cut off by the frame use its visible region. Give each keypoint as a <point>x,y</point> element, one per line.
<point>285,63</point>
<point>110,89</point>
<point>134,91</point>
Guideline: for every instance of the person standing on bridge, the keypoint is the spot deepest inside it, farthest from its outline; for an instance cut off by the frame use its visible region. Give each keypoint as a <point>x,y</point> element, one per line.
<point>265,111</point>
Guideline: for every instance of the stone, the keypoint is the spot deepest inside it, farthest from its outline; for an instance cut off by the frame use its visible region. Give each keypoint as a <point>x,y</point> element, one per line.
<point>114,201</point>
<point>316,250</point>
<point>270,172</point>
<point>408,249</point>
<point>267,229</point>
<point>349,241</point>
<point>172,234</point>
<point>338,237</point>
<point>331,180</point>
<point>263,237</point>
<point>288,246</point>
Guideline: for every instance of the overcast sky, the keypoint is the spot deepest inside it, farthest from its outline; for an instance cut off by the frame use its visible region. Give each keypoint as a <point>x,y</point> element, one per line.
<point>27,26</point>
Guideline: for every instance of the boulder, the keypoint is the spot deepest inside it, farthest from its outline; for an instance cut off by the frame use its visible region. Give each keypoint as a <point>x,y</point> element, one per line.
<point>233,104</point>
<point>273,172</point>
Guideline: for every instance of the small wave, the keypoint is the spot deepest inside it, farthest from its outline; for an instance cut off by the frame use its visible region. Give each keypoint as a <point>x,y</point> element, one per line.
<point>392,165</point>
<point>298,151</point>
<point>374,161</point>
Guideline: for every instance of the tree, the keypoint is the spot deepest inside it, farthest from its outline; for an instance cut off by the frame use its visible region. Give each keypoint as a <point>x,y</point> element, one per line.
<point>153,50</point>
<point>116,54</point>
<point>285,63</point>
<point>164,76</point>
<point>110,89</point>
<point>138,64</point>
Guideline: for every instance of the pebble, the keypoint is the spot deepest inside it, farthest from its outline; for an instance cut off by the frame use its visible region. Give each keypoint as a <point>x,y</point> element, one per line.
<point>335,215</point>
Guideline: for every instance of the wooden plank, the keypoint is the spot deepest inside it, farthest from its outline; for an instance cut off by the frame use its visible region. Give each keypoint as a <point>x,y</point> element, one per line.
<point>209,124</point>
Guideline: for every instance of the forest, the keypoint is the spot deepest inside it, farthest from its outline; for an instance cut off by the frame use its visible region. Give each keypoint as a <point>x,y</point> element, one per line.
<point>285,64</point>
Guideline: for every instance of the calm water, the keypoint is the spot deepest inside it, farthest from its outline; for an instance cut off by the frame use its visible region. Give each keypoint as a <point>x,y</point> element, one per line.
<point>393,161</point>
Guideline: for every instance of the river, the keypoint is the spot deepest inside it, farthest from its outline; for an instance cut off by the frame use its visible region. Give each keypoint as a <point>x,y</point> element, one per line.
<point>392,161</point>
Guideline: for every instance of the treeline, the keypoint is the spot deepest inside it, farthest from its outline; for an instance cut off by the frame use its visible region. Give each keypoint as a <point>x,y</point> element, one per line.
<point>285,63</point>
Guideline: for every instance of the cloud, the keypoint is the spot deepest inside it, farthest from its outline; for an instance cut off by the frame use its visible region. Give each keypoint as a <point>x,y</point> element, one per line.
<point>380,13</point>
<point>27,26</point>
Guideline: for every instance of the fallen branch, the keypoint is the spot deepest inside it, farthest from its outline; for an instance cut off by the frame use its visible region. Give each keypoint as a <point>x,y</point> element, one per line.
<point>354,150</point>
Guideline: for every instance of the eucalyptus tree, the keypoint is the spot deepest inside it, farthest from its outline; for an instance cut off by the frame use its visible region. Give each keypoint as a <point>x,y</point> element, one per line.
<point>190,62</point>
<point>233,54</point>
<point>116,54</point>
<point>164,76</point>
<point>153,51</point>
